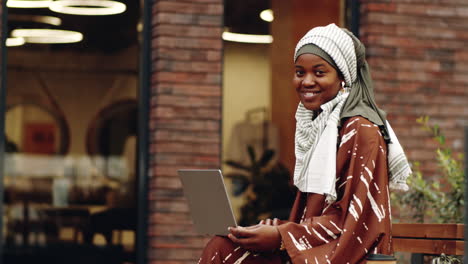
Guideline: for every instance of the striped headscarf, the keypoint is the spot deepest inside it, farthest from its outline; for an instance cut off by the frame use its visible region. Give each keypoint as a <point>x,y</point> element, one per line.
<point>345,53</point>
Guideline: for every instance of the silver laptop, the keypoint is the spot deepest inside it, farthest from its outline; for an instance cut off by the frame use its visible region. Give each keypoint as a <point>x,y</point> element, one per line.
<point>208,201</point>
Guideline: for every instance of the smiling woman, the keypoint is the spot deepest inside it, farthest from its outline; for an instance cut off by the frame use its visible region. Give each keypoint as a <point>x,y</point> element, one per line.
<point>343,147</point>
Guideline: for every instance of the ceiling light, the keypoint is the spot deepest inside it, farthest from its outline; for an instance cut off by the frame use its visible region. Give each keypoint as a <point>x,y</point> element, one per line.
<point>88,7</point>
<point>48,36</point>
<point>247,38</point>
<point>140,26</point>
<point>50,20</point>
<point>28,3</point>
<point>13,42</point>
<point>267,15</point>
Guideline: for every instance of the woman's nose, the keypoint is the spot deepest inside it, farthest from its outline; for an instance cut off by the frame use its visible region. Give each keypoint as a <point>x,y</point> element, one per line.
<point>308,80</point>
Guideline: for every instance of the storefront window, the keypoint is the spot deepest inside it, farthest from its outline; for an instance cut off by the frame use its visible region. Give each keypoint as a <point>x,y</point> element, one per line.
<point>71,133</point>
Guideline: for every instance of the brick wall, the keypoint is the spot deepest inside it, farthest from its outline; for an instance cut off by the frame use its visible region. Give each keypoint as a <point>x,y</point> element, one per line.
<point>418,54</point>
<point>185,117</point>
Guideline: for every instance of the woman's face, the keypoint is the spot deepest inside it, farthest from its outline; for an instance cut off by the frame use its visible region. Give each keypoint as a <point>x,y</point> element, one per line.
<point>315,80</point>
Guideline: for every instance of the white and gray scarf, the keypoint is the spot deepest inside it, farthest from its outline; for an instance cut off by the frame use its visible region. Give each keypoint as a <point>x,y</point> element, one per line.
<point>315,142</point>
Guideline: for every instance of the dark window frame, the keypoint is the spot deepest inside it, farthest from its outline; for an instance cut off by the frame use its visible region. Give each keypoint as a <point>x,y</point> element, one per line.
<point>141,242</point>
<point>352,16</point>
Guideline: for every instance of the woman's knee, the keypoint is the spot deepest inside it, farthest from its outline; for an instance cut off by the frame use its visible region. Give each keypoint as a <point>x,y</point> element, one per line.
<point>220,242</point>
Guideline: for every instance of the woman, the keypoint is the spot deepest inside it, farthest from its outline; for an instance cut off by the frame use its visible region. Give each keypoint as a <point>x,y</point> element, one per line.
<point>346,156</point>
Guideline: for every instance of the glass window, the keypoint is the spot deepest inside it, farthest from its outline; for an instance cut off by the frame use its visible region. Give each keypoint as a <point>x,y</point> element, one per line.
<point>71,133</point>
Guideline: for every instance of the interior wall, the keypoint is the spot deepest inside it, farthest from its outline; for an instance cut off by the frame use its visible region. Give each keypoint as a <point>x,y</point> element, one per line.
<point>246,83</point>
<point>246,86</point>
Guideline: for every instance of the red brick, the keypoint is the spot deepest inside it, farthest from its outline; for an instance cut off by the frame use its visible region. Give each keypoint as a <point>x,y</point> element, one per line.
<point>186,19</point>
<point>176,66</point>
<point>462,11</point>
<point>376,7</point>
<point>461,78</point>
<point>189,8</point>
<point>404,19</point>
<point>212,137</point>
<point>161,194</point>
<point>187,89</point>
<point>378,29</point>
<point>425,9</point>
<point>166,182</point>
<point>461,34</point>
<point>208,20</point>
<point>165,170</point>
<point>454,89</point>
<point>176,147</point>
<point>187,160</point>
<point>173,18</point>
<point>411,53</point>
<point>184,42</point>
<point>170,206</point>
<point>380,51</point>
<point>409,41</point>
<point>186,55</point>
<point>188,101</point>
<point>214,56</point>
<point>174,54</point>
<point>429,32</point>
<point>405,64</point>
<point>186,77</point>
<point>192,113</point>
<point>170,218</point>
<point>187,31</point>
<point>189,126</point>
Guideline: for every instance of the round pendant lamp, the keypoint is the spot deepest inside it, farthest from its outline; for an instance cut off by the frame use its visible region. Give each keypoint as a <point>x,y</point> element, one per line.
<point>49,20</point>
<point>88,7</point>
<point>267,15</point>
<point>28,3</point>
<point>47,36</point>
<point>14,42</point>
<point>247,38</point>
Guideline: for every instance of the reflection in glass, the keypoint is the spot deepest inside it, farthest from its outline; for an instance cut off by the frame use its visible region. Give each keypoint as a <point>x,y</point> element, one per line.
<point>71,199</point>
<point>69,171</point>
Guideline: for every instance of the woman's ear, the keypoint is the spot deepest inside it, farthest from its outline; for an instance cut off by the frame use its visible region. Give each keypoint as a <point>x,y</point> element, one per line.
<point>341,77</point>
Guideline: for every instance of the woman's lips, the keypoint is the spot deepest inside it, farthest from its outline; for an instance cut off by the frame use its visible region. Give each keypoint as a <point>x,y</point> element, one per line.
<point>309,95</point>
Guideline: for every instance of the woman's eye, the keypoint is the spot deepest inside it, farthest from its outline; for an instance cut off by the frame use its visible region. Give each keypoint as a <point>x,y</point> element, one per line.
<point>299,73</point>
<point>319,73</point>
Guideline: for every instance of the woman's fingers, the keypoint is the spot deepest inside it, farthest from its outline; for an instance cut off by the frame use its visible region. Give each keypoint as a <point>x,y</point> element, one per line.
<point>243,242</point>
<point>252,227</point>
<point>276,222</point>
<point>262,222</point>
<point>234,239</point>
<point>239,231</point>
<point>268,221</point>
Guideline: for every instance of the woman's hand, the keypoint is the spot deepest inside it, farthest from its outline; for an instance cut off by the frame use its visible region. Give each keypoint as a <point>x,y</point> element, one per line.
<point>259,237</point>
<point>274,222</point>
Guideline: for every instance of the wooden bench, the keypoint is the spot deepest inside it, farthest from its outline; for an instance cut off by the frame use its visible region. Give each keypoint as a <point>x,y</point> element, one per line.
<point>429,238</point>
